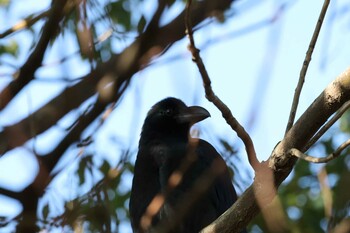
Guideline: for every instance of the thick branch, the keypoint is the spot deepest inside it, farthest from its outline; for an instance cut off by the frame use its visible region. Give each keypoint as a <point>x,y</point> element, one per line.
<point>326,126</point>
<point>327,103</point>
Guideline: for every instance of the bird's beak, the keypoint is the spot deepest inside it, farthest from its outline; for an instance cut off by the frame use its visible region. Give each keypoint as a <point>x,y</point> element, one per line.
<point>193,115</point>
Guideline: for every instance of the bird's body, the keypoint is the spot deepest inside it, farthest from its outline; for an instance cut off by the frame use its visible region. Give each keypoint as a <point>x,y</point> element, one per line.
<point>165,147</point>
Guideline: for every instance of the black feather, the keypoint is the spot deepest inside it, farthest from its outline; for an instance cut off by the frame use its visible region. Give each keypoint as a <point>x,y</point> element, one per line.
<point>163,146</point>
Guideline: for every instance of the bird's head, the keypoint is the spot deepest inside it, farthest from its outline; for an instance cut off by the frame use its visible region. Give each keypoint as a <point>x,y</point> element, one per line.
<point>172,118</point>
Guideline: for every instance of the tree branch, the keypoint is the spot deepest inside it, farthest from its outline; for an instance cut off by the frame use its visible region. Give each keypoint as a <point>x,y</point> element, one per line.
<point>210,95</point>
<point>245,208</point>
<point>72,97</point>
<point>9,193</point>
<point>305,66</point>
<point>297,153</point>
<point>25,23</point>
<point>329,123</point>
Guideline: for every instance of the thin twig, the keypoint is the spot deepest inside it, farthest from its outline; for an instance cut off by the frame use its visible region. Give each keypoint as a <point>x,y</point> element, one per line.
<point>25,23</point>
<point>305,66</point>
<point>326,126</point>
<point>312,159</point>
<point>210,95</point>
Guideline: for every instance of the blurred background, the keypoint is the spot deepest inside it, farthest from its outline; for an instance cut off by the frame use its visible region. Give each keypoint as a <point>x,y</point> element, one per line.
<point>77,80</point>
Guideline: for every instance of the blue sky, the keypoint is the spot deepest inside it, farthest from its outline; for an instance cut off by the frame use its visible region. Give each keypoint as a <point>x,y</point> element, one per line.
<point>254,73</point>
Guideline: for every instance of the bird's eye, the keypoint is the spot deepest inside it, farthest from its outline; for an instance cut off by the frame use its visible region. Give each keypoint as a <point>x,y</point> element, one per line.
<point>167,112</point>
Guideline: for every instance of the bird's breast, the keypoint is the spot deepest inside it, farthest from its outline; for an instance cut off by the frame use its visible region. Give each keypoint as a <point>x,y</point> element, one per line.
<point>159,153</point>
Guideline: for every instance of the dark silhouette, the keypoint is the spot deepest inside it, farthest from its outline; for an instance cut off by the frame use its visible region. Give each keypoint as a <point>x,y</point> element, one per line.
<point>165,146</point>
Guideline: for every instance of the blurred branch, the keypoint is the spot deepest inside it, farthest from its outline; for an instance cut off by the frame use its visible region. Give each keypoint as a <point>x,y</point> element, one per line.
<point>152,45</point>
<point>50,160</point>
<point>305,66</point>
<point>35,59</point>
<point>9,193</point>
<point>274,215</point>
<point>246,29</point>
<point>104,36</point>
<point>312,159</point>
<point>210,95</point>
<point>246,207</point>
<point>113,175</point>
<point>72,97</point>
<point>342,227</point>
<point>118,71</point>
<point>268,64</point>
<point>156,17</point>
<point>29,198</point>
<point>326,192</point>
<point>25,23</point>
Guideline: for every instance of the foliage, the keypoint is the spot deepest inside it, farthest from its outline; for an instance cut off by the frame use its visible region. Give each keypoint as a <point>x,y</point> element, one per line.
<point>103,34</point>
<point>10,48</point>
<point>304,199</point>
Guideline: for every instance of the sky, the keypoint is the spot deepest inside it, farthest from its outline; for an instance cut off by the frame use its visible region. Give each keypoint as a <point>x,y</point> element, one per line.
<point>253,59</point>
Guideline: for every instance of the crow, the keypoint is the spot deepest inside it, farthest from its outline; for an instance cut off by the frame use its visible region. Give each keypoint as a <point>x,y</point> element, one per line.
<point>165,147</point>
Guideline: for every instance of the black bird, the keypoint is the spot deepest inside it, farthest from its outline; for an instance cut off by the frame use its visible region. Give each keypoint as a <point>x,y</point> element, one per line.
<point>163,146</point>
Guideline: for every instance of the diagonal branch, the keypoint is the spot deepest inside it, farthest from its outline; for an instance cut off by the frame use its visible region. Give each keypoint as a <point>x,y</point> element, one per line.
<point>71,98</point>
<point>305,66</point>
<point>210,95</point>
<point>25,23</point>
<point>35,59</point>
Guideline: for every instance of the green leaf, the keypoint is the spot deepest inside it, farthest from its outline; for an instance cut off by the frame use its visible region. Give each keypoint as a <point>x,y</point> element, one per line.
<point>4,2</point>
<point>141,24</point>
<point>119,14</point>
<point>345,122</point>
<point>84,163</point>
<point>46,211</point>
<point>105,167</point>
<point>10,48</point>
